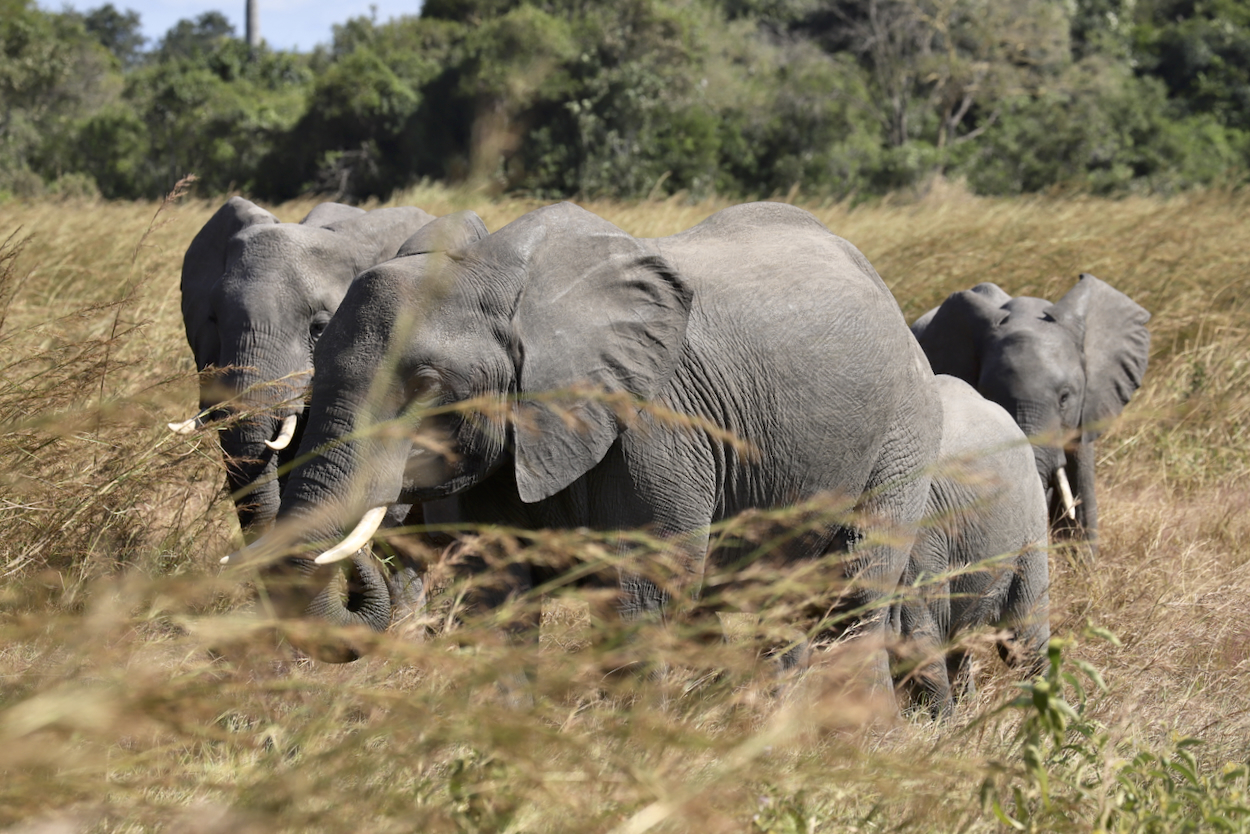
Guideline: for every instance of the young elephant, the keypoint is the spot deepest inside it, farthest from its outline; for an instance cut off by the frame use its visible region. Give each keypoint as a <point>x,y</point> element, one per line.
<point>558,329</point>
<point>986,507</point>
<point>1062,370</point>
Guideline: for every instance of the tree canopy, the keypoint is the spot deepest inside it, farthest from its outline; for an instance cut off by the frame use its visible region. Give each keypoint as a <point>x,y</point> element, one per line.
<point>636,97</point>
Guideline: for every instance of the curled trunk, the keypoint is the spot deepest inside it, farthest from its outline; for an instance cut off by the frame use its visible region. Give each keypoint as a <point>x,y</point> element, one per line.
<point>351,593</point>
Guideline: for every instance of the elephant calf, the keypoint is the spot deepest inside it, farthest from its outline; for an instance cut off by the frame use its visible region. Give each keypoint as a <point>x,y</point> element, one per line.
<point>1062,370</point>
<point>986,507</point>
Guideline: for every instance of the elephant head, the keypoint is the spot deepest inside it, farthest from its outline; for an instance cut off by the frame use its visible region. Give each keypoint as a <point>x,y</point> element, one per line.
<point>1063,370</point>
<point>256,296</point>
<point>514,325</point>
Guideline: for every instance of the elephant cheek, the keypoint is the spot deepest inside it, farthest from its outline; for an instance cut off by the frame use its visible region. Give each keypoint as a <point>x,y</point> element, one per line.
<point>432,458</point>
<point>425,469</point>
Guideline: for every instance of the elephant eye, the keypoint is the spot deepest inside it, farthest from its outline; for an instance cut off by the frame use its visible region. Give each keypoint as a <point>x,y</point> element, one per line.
<point>318,325</point>
<point>423,387</point>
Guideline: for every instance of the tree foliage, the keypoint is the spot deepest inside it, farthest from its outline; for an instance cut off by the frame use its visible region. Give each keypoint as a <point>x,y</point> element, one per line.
<point>639,97</point>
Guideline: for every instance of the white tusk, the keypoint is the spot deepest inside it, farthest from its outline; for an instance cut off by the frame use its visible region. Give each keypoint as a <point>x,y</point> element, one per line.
<point>185,427</point>
<point>1065,491</point>
<point>265,545</point>
<point>284,434</point>
<point>255,547</point>
<point>357,539</point>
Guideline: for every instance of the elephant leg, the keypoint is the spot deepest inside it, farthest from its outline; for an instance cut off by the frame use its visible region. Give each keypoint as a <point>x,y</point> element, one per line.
<point>921,669</point>
<point>1027,613</point>
<point>897,493</point>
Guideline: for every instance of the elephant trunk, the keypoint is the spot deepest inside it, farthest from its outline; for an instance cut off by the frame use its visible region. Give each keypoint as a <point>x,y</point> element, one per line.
<point>1081,462</point>
<point>354,593</point>
<point>262,388</point>
<point>322,500</point>
<point>251,467</point>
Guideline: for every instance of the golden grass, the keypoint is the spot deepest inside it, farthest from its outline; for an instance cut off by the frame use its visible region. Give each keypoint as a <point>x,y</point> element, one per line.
<point>137,695</point>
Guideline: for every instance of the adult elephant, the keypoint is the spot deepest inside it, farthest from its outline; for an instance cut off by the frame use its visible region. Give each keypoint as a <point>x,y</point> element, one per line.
<point>559,327</point>
<point>256,296</point>
<point>981,556</point>
<point>1063,370</point>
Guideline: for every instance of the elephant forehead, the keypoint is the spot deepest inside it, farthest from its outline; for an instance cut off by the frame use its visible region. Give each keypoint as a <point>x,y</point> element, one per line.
<point>290,254</point>
<point>1022,337</point>
<point>1038,358</point>
<point>1026,308</point>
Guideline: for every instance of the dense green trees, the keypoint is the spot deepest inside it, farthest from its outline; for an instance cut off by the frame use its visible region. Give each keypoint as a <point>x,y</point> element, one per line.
<point>637,97</point>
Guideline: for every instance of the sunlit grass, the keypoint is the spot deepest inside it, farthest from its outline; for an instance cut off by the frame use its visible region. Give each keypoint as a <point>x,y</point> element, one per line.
<point>138,693</point>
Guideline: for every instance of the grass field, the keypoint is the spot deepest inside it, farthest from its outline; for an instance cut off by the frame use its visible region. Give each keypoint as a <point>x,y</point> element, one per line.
<point>136,694</point>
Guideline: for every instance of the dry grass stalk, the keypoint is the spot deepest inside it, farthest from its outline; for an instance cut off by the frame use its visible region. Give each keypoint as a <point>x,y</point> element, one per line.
<point>138,692</point>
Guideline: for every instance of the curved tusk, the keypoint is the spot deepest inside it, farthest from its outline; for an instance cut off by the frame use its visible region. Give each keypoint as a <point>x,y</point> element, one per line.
<point>239,555</point>
<point>357,539</point>
<point>1065,491</point>
<point>284,434</point>
<point>186,426</point>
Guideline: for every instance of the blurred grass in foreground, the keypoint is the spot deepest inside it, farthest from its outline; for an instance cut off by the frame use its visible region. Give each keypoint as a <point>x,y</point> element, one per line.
<point>116,716</point>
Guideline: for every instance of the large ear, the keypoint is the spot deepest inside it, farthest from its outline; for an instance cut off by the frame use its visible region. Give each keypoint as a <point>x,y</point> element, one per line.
<point>202,268</point>
<point>1116,344</point>
<point>598,312</point>
<point>377,235</point>
<point>324,214</point>
<point>952,337</point>
<point>451,231</point>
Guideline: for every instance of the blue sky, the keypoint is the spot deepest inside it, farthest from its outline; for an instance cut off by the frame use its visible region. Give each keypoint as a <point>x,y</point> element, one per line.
<point>284,24</point>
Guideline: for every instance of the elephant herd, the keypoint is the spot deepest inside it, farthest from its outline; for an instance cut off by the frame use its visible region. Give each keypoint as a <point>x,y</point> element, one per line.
<point>560,373</point>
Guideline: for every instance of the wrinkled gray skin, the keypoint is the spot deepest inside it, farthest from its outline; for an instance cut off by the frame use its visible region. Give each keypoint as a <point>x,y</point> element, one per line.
<point>985,506</point>
<point>256,296</point>
<point>757,320</point>
<point>1063,370</point>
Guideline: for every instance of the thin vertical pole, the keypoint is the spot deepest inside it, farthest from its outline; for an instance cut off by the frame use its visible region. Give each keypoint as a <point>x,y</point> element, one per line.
<point>253,26</point>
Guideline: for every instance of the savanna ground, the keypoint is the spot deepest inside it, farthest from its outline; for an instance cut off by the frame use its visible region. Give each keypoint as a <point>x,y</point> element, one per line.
<point>136,694</point>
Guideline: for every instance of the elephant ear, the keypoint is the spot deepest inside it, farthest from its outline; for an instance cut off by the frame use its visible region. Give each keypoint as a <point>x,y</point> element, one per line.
<point>599,313</point>
<point>326,214</point>
<point>1112,329</point>
<point>452,231</point>
<point>202,268</point>
<point>952,335</point>
<point>377,235</point>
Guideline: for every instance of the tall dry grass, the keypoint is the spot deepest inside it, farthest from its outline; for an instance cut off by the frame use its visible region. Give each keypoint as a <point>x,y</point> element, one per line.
<point>137,693</point>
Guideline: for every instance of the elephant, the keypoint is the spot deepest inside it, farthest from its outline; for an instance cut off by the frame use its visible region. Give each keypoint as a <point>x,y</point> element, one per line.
<point>1063,370</point>
<point>572,340</point>
<point>986,507</point>
<point>256,297</point>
